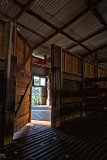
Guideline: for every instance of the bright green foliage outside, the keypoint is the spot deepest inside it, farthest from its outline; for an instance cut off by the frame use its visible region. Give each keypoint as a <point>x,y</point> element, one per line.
<point>36,81</point>
<point>36,95</point>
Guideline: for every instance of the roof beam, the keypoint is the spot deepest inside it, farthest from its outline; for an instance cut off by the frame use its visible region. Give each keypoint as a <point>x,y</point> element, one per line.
<point>89,37</point>
<point>24,9</point>
<point>60,30</point>
<point>96,13</point>
<point>43,46</point>
<point>93,51</point>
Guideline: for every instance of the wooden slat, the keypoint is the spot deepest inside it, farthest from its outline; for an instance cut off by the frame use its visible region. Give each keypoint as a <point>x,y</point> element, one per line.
<point>24,97</point>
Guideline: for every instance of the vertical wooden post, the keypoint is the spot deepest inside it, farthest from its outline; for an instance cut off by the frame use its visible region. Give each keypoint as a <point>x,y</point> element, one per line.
<point>83,84</point>
<point>10,91</point>
<point>56,85</point>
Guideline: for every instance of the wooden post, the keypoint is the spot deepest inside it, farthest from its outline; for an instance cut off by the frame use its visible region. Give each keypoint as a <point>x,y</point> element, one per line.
<point>83,84</point>
<point>56,85</point>
<point>9,91</point>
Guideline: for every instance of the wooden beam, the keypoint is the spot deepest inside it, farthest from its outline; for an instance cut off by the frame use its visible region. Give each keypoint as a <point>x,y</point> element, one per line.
<point>56,85</point>
<point>9,90</point>
<point>89,37</point>
<point>24,9</point>
<point>42,46</point>
<point>93,51</point>
<point>24,97</point>
<point>102,60</point>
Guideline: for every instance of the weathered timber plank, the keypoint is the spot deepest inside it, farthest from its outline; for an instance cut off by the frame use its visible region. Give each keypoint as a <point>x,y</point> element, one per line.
<point>25,95</point>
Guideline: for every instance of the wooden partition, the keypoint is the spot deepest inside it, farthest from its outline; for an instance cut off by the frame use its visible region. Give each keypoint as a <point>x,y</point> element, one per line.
<point>23,86</point>
<point>71,95</point>
<point>66,86</point>
<point>15,81</point>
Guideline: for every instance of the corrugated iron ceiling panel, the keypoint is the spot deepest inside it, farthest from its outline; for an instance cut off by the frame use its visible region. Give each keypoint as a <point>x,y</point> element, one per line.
<point>9,8</point>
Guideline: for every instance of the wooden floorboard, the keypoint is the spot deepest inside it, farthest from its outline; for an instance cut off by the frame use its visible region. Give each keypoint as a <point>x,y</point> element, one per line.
<point>81,139</point>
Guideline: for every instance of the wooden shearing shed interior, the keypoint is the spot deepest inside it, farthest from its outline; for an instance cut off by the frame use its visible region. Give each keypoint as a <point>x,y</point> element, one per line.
<point>57,50</point>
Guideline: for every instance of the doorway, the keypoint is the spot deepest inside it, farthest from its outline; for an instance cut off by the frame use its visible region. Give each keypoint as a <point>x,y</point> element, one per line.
<point>41,110</point>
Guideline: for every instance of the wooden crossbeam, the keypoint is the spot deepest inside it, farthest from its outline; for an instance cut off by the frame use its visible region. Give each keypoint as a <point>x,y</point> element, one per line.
<point>91,80</point>
<point>24,97</point>
<point>24,9</point>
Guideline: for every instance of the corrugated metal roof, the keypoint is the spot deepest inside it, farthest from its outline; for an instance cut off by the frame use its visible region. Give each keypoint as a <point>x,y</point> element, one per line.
<point>102,9</point>
<point>30,22</point>
<point>86,25</point>
<point>49,7</point>
<point>25,33</point>
<point>35,38</point>
<point>9,8</point>
<point>98,40</point>
<point>70,11</point>
<point>23,2</point>
<point>58,13</point>
<point>45,31</point>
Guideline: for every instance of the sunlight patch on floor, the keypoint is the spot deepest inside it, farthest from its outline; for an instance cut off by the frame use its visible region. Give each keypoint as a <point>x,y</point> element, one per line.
<point>47,123</point>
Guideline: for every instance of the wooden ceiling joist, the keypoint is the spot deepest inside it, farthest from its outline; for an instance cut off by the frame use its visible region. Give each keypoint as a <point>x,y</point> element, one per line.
<point>94,51</point>
<point>24,9</point>
<point>60,30</point>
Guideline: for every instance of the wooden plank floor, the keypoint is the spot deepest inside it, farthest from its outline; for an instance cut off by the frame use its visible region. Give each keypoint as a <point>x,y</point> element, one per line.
<point>83,139</point>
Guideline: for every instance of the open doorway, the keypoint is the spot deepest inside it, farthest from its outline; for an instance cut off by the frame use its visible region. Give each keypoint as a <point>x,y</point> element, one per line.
<point>41,110</point>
